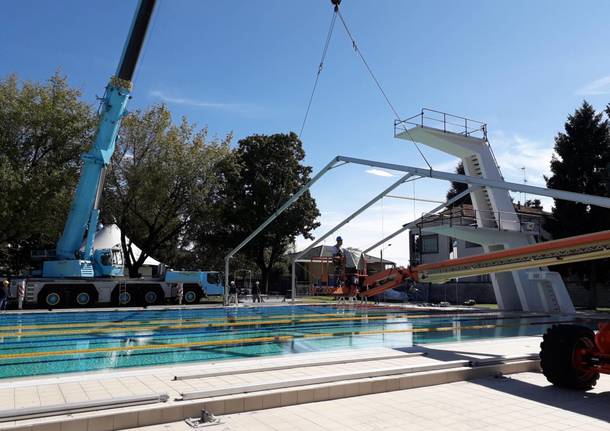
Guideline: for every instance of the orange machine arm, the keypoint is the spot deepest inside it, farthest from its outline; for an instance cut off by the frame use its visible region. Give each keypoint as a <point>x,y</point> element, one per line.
<point>573,249</point>
<point>385,280</point>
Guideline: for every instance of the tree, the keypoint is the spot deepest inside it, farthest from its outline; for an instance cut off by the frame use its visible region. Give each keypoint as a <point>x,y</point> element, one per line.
<point>457,188</point>
<point>580,164</point>
<point>270,171</point>
<point>44,128</point>
<point>160,175</point>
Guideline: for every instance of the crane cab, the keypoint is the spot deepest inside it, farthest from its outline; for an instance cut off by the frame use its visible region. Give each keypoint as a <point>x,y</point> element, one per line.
<point>108,262</point>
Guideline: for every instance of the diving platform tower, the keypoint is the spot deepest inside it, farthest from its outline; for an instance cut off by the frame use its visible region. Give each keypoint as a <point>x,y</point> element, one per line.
<point>497,226</point>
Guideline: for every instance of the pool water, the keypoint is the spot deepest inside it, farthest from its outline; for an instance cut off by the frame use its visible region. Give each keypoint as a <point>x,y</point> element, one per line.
<point>63,342</point>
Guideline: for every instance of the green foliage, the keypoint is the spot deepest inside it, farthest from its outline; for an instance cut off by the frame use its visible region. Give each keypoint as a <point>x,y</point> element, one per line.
<point>182,198</point>
<point>580,164</point>
<point>457,188</point>
<point>43,130</point>
<point>270,170</point>
<point>160,176</point>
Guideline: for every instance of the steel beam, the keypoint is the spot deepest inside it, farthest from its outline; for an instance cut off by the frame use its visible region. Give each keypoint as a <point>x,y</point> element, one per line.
<point>428,173</point>
<point>497,184</point>
<point>341,224</point>
<point>273,216</point>
<point>412,223</point>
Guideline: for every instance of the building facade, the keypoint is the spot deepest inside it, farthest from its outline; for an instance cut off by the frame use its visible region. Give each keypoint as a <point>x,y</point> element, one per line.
<point>429,247</point>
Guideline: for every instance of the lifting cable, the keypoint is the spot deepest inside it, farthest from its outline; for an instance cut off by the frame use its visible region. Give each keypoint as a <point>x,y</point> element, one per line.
<point>368,68</point>
<point>321,65</point>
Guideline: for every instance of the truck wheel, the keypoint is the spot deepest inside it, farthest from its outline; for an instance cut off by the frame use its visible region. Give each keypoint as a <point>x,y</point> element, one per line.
<point>561,360</point>
<point>191,296</point>
<point>152,296</point>
<point>83,298</point>
<point>51,299</point>
<point>127,298</point>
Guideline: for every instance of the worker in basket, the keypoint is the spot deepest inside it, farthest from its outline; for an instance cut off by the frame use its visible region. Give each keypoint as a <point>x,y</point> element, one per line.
<point>338,256</point>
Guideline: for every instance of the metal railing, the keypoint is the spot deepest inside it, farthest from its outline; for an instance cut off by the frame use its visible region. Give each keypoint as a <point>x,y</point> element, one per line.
<point>448,123</point>
<point>500,220</point>
<point>443,121</point>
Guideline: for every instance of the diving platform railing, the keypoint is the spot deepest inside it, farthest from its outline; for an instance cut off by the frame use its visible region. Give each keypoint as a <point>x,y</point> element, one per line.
<point>501,220</point>
<point>448,123</point>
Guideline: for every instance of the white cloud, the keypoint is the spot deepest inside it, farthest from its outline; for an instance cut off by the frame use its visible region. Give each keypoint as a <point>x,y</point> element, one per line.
<point>370,227</point>
<point>379,172</point>
<point>197,103</point>
<point>515,152</point>
<point>595,88</point>
<point>446,166</point>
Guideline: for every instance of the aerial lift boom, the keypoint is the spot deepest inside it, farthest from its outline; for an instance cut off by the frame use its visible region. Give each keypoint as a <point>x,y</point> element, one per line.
<point>566,250</point>
<point>84,213</point>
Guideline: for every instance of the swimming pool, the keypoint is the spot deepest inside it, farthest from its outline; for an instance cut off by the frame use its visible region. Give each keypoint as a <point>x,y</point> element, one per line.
<point>62,342</point>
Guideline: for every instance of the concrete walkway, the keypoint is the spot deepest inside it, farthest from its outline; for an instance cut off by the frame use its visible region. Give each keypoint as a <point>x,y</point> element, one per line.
<point>524,401</point>
<point>252,384</point>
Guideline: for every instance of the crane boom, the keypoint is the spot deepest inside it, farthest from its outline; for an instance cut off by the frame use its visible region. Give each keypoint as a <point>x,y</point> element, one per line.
<point>84,212</point>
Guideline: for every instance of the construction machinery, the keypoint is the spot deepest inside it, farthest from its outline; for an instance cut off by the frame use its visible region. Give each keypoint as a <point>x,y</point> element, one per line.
<point>571,356</point>
<point>79,275</point>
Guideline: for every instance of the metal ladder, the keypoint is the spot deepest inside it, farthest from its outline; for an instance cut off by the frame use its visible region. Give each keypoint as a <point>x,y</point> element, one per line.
<point>122,292</point>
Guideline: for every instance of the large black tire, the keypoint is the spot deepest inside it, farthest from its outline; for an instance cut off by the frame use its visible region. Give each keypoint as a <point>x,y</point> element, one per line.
<point>557,356</point>
<point>84,297</point>
<point>152,295</point>
<point>51,297</point>
<point>125,298</point>
<point>192,294</point>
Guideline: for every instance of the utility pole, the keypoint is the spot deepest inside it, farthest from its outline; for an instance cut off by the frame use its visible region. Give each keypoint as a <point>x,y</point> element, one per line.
<point>381,256</point>
<point>525,183</point>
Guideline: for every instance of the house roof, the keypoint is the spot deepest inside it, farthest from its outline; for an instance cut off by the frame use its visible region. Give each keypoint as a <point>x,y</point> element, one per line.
<point>352,256</point>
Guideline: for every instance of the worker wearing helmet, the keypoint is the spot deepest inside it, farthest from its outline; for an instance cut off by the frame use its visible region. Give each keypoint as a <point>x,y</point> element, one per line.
<point>233,293</point>
<point>338,255</point>
<point>4,294</point>
<point>256,292</point>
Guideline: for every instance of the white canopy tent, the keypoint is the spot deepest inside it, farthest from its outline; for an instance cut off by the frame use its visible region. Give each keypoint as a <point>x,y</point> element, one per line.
<point>110,236</point>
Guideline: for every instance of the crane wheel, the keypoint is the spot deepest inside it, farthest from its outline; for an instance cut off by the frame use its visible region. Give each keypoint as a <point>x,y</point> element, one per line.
<point>83,299</point>
<point>561,359</point>
<point>126,297</point>
<point>192,294</point>
<point>152,296</point>
<point>52,298</point>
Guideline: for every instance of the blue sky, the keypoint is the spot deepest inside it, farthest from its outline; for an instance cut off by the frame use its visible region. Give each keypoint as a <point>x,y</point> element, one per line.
<point>248,67</point>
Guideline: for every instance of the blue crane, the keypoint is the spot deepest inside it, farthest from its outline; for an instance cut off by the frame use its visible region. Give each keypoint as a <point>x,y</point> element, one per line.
<point>84,213</point>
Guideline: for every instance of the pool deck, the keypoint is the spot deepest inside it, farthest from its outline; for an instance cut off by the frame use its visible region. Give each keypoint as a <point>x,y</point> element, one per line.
<point>246,385</point>
<point>523,401</point>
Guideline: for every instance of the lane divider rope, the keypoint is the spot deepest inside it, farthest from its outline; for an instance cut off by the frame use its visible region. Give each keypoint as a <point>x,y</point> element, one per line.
<point>275,339</point>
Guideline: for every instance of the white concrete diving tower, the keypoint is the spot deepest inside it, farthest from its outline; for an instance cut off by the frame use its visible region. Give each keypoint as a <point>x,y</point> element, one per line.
<point>497,226</point>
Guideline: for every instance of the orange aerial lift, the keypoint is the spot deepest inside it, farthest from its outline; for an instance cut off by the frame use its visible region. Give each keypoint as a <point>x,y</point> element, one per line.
<point>571,356</point>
